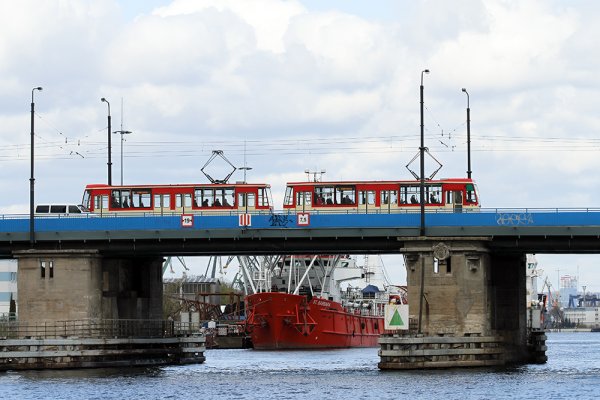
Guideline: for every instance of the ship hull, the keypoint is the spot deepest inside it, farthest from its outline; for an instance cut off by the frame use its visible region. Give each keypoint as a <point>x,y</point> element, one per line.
<point>288,321</point>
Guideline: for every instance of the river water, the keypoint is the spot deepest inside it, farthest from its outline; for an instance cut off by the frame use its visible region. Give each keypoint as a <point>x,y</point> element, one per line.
<point>572,371</point>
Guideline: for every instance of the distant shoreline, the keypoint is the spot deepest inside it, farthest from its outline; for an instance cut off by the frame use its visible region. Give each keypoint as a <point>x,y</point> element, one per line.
<point>569,330</point>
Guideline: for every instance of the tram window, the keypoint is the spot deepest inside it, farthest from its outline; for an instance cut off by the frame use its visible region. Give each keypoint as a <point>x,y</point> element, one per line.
<point>217,199</point>
<point>86,199</point>
<point>251,200</point>
<point>410,194</point>
<point>207,197</point>
<point>197,197</point>
<point>288,200</point>
<point>263,198</point>
<point>228,197</point>
<point>140,198</point>
<point>324,195</point>
<point>433,194</point>
<point>121,198</point>
<point>366,197</point>
<point>218,202</point>
<point>471,196</point>
<point>125,198</point>
<point>345,195</point>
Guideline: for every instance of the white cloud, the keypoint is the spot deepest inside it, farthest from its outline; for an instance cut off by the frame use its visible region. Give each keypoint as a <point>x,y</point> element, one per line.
<point>268,18</point>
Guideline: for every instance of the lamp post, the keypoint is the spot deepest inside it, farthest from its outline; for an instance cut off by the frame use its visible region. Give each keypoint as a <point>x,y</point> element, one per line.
<point>422,155</point>
<point>32,179</point>
<point>121,132</point>
<point>468,135</point>
<point>109,144</point>
<point>422,202</point>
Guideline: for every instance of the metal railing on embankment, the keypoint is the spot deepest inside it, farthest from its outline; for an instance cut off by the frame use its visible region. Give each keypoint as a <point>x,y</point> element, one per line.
<point>97,328</point>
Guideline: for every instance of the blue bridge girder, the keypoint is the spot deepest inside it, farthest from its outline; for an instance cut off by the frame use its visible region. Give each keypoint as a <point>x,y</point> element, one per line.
<point>518,230</point>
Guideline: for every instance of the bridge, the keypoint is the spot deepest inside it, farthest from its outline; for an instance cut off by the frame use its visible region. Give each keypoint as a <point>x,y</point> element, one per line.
<point>508,230</point>
<point>466,276</point>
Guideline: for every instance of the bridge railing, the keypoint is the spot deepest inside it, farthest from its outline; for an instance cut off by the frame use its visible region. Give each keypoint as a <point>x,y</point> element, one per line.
<point>97,328</point>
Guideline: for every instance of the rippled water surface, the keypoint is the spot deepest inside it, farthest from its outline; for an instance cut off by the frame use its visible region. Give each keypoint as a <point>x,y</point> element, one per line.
<point>572,371</point>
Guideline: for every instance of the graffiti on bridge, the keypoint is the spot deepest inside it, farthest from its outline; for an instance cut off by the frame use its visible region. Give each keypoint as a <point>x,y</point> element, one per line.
<point>514,219</point>
<point>279,220</point>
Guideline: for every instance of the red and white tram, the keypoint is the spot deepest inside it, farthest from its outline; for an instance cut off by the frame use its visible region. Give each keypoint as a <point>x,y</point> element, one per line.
<point>178,198</point>
<point>381,196</point>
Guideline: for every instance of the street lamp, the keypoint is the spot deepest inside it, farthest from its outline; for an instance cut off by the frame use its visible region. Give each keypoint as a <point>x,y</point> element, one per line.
<point>122,139</point>
<point>422,202</point>
<point>109,145</point>
<point>422,154</point>
<point>468,135</point>
<point>32,179</point>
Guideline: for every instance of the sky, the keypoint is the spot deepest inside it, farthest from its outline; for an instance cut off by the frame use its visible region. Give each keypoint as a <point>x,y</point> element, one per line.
<point>282,86</point>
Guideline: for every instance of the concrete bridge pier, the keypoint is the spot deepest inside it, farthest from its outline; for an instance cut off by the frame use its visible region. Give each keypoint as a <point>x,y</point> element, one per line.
<point>79,309</point>
<point>467,308</point>
<point>63,285</point>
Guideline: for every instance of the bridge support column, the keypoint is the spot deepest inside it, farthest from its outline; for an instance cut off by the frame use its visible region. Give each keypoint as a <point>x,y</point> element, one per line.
<point>64,285</point>
<point>473,307</point>
<point>77,309</point>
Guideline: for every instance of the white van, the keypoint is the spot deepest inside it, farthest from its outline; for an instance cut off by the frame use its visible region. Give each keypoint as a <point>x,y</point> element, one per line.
<point>61,210</point>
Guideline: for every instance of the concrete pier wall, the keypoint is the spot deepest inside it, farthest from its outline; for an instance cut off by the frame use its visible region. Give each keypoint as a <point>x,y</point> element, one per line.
<point>77,309</point>
<point>464,299</point>
<point>21,354</point>
<point>456,298</point>
<point>76,285</point>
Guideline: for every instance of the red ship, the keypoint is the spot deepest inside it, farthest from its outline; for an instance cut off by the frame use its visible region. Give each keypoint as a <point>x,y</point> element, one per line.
<point>309,318</point>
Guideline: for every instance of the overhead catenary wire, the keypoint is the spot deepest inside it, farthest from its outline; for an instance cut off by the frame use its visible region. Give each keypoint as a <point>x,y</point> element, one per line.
<point>312,146</point>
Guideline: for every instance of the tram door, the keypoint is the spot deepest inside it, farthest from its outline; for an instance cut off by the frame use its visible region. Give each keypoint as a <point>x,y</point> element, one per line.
<point>246,202</point>
<point>183,202</point>
<point>454,198</point>
<point>101,204</point>
<point>303,201</point>
<point>162,203</point>
<point>389,200</point>
<point>366,200</point>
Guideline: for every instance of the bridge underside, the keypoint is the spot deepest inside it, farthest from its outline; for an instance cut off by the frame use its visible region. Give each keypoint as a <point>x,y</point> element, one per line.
<point>260,243</point>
